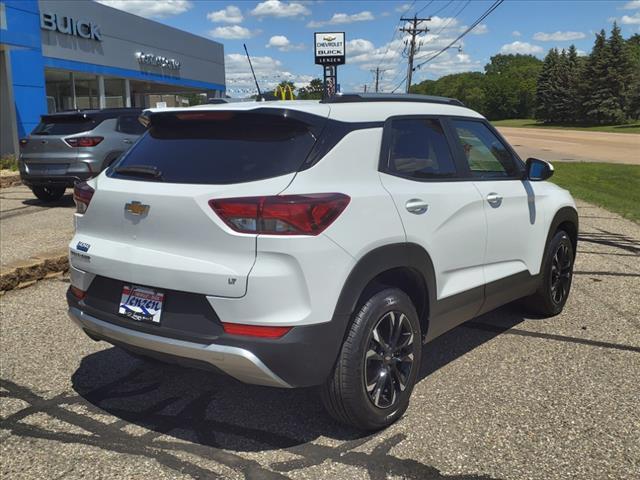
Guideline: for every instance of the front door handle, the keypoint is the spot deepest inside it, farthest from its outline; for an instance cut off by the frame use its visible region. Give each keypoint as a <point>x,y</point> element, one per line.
<point>416,206</point>
<point>126,140</point>
<point>494,199</point>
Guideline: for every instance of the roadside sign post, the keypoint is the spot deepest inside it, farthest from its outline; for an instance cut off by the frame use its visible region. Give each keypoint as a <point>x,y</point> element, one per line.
<point>329,52</point>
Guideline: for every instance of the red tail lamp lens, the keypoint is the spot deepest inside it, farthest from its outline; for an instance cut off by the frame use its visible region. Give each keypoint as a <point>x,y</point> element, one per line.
<point>76,292</point>
<point>83,141</point>
<point>82,195</point>
<point>281,214</point>
<point>255,330</point>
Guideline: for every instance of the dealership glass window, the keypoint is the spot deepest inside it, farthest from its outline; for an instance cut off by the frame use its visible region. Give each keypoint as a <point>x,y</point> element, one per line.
<point>114,92</point>
<point>58,85</point>
<point>86,90</point>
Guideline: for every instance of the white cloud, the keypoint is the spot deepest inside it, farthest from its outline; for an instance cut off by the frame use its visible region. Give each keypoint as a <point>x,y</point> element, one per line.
<point>269,72</point>
<point>230,14</point>
<point>283,44</point>
<point>558,36</point>
<point>521,47</point>
<point>276,8</point>
<point>232,32</point>
<point>632,5</point>
<point>403,8</point>
<point>631,19</point>
<point>359,45</point>
<point>516,33</point>
<point>342,18</point>
<point>480,29</point>
<point>146,8</point>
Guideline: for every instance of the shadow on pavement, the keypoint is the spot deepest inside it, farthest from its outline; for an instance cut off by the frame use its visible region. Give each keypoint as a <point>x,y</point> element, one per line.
<point>65,201</point>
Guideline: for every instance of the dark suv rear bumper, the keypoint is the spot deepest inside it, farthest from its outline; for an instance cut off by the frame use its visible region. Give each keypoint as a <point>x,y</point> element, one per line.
<point>303,357</point>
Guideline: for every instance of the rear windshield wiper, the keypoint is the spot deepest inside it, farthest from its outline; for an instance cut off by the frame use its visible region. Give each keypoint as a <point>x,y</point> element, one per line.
<point>140,171</point>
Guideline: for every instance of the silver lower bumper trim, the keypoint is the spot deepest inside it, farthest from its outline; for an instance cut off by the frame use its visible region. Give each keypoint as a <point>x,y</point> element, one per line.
<point>237,362</point>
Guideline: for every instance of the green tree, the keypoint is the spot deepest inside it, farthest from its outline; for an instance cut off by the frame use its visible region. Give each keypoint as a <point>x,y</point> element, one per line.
<point>510,86</point>
<point>313,91</point>
<point>468,87</point>
<point>620,73</point>
<point>633,106</point>
<point>545,99</point>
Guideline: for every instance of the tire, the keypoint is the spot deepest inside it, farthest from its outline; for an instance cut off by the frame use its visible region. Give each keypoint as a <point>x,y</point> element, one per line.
<point>48,194</point>
<point>351,394</point>
<point>557,273</point>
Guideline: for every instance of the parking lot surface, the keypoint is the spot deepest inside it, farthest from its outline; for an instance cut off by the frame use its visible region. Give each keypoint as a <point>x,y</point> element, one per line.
<point>29,227</point>
<point>504,396</point>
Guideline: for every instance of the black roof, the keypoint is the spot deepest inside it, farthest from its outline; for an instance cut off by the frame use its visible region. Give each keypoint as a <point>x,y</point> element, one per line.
<point>390,97</point>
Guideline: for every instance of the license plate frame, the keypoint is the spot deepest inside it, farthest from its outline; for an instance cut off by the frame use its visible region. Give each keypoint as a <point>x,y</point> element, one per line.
<point>141,304</point>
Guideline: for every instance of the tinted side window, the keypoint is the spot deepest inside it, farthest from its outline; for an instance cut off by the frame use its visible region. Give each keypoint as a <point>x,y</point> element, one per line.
<point>486,154</point>
<point>418,149</point>
<point>130,124</point>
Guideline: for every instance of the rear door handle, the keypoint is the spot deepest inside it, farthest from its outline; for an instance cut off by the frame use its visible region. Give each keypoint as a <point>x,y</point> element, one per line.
<point>416,206</point>
<point>126,140</point>
<point>494,199</point>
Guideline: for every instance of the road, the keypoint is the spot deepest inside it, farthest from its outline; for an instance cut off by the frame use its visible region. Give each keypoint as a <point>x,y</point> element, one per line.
<point>574,145</point>
<point>504,396</point>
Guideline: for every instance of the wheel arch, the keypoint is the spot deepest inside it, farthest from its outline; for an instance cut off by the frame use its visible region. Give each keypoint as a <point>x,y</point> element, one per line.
<point>407,266</point>
<point>565,219</point>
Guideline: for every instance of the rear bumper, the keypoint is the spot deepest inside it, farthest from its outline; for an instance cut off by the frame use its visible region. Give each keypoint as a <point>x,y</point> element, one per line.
<point>237,362</point>
<point>66,181</point>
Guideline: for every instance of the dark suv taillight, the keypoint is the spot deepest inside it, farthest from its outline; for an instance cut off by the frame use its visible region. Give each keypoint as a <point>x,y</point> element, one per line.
<point>83,141</point>
<point>281,214</point>
<point>82,194</point>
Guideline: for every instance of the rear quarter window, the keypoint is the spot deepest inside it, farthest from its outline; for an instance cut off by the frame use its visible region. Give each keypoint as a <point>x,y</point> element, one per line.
<point>63,126</point>
<point>222,147</point>
<point>130,125</point>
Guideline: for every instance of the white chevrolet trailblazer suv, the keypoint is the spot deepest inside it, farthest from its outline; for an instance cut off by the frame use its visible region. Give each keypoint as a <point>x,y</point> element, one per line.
<point>303,243</point>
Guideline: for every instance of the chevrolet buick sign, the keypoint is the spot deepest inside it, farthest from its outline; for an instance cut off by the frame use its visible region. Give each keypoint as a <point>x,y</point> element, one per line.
<point>330,48</point>
<point>70,26</point>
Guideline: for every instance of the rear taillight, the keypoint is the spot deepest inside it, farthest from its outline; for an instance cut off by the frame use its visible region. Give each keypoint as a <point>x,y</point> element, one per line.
<point>76,292</point>
<point>255,330</point>
<point>281,214</point>
<point>82,194</point>
<point>83,141</point>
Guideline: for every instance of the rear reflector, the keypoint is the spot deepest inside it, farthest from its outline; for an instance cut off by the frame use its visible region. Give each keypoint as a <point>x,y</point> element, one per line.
<point>83,141</point>
<point>255,330</point>
<point>82,195</point>
<point>281,214</point>
<point>76,292</point>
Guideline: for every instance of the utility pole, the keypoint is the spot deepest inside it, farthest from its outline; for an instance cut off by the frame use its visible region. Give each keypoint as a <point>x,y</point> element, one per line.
<point>414,30</point>
<point>365,88</point>
<point>377,73</point>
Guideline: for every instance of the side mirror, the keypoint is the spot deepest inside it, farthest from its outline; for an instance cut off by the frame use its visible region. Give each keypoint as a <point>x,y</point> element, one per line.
<point>538,170</point>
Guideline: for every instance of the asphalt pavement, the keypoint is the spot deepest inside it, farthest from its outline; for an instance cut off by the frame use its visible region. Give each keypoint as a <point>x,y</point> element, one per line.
<point>504,396</point>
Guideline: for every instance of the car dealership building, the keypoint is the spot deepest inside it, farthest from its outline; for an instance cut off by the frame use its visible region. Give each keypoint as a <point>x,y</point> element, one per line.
<point>60,55</point>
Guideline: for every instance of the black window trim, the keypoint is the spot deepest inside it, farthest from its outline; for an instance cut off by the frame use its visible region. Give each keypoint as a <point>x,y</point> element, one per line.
<point>463,172</point>
<point>135,117</point>
<point>519,166</point>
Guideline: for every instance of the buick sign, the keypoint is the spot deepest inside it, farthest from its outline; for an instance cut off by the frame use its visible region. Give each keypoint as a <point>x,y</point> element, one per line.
<point>70,26</point>
<point>329,48</point>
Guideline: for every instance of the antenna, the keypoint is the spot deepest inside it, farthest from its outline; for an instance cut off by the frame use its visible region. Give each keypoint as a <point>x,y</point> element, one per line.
<point>253,73</point>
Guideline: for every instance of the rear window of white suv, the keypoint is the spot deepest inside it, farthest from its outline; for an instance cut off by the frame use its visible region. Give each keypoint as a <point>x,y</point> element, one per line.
<point>220,147</point>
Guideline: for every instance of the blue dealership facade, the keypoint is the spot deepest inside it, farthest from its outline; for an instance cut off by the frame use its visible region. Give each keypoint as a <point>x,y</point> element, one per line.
<point>72,54</point>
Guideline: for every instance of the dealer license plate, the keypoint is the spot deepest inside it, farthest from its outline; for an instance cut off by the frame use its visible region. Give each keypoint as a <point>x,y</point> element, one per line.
<point>141,304</point>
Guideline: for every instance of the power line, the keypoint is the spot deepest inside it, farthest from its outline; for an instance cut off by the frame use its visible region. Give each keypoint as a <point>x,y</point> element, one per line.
<point>428,3</point>
<point>414,30</point>
<point>441,9</point>
<point>393,37</point>
<point>488,12</point>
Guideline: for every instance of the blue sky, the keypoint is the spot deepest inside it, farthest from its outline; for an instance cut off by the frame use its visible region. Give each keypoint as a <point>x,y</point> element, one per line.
<point>279,34</point>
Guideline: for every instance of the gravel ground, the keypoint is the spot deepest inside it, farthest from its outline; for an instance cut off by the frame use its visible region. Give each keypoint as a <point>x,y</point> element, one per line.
<point>501,397</point>
<point>29,226</point>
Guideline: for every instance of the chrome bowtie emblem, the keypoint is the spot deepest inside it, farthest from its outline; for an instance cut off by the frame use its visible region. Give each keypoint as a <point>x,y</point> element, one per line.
<point>137,208</point>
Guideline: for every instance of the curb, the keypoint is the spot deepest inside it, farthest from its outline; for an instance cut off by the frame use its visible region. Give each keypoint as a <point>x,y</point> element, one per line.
<point>24,273</point>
